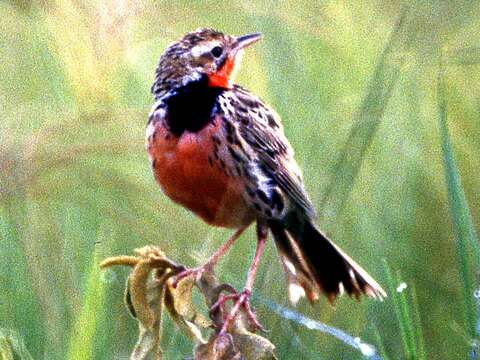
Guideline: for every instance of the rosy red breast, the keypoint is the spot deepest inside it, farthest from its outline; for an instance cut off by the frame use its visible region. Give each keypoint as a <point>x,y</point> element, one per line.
<point>179,166</point>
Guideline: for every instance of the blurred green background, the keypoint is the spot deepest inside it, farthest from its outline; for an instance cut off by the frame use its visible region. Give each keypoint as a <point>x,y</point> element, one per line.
<point>355,83</point>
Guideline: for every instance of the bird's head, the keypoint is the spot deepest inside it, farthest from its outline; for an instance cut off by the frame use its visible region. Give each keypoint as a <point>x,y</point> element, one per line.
<point>204,53</point>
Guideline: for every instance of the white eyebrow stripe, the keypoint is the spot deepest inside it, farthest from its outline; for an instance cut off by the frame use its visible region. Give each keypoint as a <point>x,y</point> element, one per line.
<point>201,49</point>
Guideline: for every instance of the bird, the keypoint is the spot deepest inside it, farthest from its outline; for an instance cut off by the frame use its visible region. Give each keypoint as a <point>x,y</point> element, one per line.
<point>218,150</point>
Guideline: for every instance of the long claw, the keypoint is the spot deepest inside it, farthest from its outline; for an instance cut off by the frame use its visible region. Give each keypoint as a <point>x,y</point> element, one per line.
<point>240,300</point>
<point>220,303</point>
<point>196,272</point>
<point>252,317</point>
<point>243,299</point>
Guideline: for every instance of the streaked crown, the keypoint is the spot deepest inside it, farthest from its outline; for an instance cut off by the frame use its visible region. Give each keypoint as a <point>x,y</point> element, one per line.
<point>204,52</point>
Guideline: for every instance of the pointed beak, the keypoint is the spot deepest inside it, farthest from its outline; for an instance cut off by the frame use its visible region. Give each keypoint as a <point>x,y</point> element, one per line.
<point>246,40</point>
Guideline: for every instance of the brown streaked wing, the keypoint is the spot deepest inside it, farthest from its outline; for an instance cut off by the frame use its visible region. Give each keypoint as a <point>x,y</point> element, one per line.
<point>264,134</point>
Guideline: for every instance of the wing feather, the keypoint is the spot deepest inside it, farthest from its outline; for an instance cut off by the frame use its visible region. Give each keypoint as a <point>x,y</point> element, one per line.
<point>261,130</point>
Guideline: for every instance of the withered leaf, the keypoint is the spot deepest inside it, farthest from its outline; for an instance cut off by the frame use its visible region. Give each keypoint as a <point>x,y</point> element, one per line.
<point>127,299</point>
<point>237,345</point>
<point>148,343</point>
<point>217,348</point>
<point>253,346</point>
<point>137,286</point>
<point>182,301</point>
<point>178,302</point>
<point>149,288</point>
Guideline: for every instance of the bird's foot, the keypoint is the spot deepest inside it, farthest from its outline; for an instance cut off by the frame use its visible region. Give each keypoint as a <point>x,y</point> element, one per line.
<point>241,300</point>
<point>196,273</point>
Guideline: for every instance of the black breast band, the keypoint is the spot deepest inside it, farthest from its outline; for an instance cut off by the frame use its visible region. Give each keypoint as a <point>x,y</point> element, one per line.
<point>191,106</point>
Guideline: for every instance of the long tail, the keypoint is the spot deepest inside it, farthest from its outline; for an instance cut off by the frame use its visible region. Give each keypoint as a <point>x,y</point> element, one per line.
<point>314,264</point>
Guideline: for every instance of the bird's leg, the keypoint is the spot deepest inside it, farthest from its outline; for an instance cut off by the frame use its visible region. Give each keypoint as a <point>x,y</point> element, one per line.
<point>243,299</point>
<point>212,261</point>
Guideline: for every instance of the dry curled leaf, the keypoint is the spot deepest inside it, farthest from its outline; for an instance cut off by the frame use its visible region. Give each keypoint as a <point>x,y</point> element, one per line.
<point>178,302</point>
<point>148,343</point>
<point>149,289</point>
<point>253,346</point>
<point>217,348</point>
<point>235,346</point>
<point>144,297</point>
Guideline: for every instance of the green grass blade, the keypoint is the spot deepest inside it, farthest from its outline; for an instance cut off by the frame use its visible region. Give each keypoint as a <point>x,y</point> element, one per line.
<point>421,355</point>
<point>408,315</point>
<point>380,345</point>
<point>398,306</point>
<point>466,238</point>
<point>406,318</point>
<point>366,120</point>
<point>82,338</point>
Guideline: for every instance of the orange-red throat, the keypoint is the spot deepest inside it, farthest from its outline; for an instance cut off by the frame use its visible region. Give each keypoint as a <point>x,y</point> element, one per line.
<point>222,77</point>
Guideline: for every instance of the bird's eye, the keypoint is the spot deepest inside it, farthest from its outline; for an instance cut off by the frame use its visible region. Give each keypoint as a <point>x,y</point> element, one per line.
<point>217,51</point>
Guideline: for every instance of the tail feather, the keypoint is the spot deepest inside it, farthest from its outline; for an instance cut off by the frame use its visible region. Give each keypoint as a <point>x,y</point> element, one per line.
<point>315,264</point>
<point>299,277</point>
